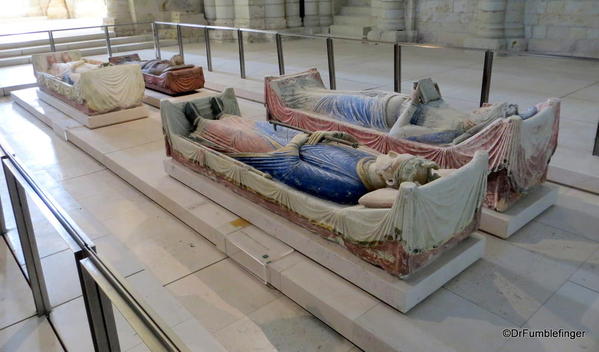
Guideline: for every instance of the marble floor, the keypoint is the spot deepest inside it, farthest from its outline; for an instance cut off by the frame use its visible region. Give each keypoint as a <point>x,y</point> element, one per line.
<point>545,276</point>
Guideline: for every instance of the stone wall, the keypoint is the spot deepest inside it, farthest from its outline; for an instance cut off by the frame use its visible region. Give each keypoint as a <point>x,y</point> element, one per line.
<point>563,26</point>
<point>444,21</point>
<point>558,26</point>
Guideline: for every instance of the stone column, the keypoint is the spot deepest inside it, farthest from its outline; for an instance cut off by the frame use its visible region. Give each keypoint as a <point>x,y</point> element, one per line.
<point>57,9</point>
<point>490,19</point>
<point>388,16</point>
<point>274,14</point>
<point>225,16</point>
<point>311,18</point>
<point>292,14</point>
<point>325,13</point>
<point>32,8</point>
<point>514,25</point>
<point>210,11</point>
<point>118,12</point>
<point>488,28</point>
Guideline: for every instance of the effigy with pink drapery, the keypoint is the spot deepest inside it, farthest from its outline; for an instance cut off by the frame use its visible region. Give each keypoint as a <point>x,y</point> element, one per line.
<point>519,148</point>
<point>314,183</point>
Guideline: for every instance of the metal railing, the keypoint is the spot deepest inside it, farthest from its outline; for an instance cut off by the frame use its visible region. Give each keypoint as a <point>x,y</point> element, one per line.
<point>104,27</point>
<point>330,52</point>
<point>101,286</point>
<point>278,36</point>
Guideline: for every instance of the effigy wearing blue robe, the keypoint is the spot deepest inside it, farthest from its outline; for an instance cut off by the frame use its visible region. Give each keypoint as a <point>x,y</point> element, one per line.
<point>326,171</point>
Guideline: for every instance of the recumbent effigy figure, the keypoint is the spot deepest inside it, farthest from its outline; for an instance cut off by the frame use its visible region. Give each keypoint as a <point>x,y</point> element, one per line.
<point>170,76</point>
<point>89,86</point>
<point>520,142</point>
<point>393,210</point>
<point>313,163</point>
<point>70,70</point>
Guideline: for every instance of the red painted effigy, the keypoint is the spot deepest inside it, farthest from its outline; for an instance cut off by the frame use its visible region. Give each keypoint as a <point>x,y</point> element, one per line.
<point>517,161</point>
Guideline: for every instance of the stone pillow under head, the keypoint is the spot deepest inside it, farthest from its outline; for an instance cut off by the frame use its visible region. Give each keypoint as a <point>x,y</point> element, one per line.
<point>383,198</point>
<point>380,198</point>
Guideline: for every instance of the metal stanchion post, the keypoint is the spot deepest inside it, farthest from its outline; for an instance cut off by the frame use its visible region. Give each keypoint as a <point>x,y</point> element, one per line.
<point>108,46</point>
<point>279,42</point>
<point>155,33</point>
<point>18,199</point>
<point>241,53</point>
<point>51,39</point>
<point>596,146</point>
<point>180,40</point>
<point>331,61</point>
<point>99,310</point>
<point>487,70</point>
<point>208,50</point>
<point>397,68</point>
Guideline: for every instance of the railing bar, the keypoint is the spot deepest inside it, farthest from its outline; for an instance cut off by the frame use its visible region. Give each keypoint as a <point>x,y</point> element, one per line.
<point>74,28</point>
<point>309,36</point>
<point>119,286</point>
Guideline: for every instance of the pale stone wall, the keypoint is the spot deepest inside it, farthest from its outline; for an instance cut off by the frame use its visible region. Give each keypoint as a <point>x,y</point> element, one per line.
<point>565,26</point>
<point>444,21</point>
<point>559,26</point>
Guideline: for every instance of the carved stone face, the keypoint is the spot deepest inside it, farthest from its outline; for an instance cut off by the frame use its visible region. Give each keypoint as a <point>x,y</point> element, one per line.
<point>177,60</point>
<point>51,60</point>
<point>396,168</point>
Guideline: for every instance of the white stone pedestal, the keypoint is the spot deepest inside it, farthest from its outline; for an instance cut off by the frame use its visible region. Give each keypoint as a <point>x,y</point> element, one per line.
<point>94,121</point>
<point>533,204</point>
<point>398,293</point>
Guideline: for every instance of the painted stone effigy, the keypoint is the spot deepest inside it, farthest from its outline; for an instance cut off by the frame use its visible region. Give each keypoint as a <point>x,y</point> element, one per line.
<point>520,144</point>
<point>90,86</point>
<point>171,77</point>
<point>394,211</point>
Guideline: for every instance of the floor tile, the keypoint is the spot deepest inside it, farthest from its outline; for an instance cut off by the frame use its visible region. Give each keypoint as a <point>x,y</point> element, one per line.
<point>554,243</point>
<point>510,281</point>
<point>443,322</point>
<point>281,325</point>
<point>158,298</point>
<point>33,334</point>
<point>588,273</point>
<point>70,321</point>
<point>15,294</point>
<point>573,307</point>
<point>61,277</point>
<point>221,294</point>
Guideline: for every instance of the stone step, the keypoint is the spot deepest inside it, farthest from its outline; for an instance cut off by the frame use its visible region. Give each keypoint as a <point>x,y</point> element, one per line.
<point>57,39</point>
<point>73,45</point>
<point>349,31</point>
<point>26,59</point>
<point>355,21</point>
<point>355,11</point>
<point>358,3</point>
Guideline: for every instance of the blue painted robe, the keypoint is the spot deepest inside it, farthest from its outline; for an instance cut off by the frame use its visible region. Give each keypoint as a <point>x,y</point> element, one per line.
<point>323,170</point>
